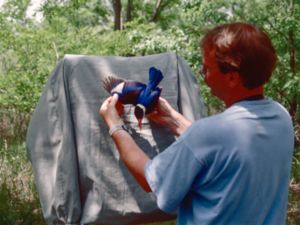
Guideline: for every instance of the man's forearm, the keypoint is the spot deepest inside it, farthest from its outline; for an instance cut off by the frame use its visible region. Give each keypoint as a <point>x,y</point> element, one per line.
<point>178,123</point>
<point>133,157</point>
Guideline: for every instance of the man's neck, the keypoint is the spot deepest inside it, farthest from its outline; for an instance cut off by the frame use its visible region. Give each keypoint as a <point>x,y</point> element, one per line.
<point>245,94</point>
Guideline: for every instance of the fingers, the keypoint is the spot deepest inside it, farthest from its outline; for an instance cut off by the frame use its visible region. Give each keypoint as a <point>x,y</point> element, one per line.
<point>117,104</point>
<point>114,99</point>
<point>152,115</point>
<point>109,111</point>
<point>120,108</point>
<point>107,101</point>
<point>163,101</point>
<point>110,101</point>
<point>105,105</point>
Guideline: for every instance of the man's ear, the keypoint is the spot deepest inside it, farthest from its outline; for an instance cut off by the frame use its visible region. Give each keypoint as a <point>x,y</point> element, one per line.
<point>233,79</point>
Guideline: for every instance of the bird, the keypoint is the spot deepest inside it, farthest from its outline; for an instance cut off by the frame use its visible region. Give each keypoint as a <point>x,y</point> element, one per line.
<point>143,96</point>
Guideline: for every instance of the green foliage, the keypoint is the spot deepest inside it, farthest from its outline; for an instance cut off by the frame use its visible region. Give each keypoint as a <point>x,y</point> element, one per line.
<point>15,10</point>
<point>18,199</point>
<point>150,39</point>
<point>294,195</point>
<point>78,13</point>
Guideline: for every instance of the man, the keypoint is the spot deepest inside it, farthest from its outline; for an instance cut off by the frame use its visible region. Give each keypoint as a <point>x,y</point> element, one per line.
<point>230,168</point>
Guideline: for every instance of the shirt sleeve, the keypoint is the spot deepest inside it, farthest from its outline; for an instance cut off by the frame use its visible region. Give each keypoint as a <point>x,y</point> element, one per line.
<point>171,174</point>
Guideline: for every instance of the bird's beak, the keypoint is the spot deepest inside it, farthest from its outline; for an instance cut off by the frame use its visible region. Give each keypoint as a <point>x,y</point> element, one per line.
<point>140,123</point>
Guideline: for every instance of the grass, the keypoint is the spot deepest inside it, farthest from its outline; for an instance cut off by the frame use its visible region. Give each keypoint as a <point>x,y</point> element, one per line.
<point>19,202</point>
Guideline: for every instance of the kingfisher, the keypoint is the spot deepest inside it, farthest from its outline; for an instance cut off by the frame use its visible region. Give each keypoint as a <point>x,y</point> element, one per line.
<point>143,96</point>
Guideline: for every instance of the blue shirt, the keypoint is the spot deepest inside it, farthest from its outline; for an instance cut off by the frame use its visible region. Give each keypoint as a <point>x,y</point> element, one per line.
<point>231,168</point>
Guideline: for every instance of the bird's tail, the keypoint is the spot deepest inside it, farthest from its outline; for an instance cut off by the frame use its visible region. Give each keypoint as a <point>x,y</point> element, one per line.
<point>155,76</point>
<point>111,82</point>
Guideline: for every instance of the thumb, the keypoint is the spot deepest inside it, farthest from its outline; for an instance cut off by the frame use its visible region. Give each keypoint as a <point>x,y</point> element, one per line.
<point>114,99</point>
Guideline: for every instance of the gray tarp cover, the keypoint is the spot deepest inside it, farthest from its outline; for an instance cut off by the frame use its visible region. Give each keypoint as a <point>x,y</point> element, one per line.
<point>79,175</point>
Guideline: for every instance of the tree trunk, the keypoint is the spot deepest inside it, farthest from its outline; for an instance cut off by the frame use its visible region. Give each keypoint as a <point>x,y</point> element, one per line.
<point>292,52</point>
<point>117,6</point>
<point>129,9</point>
<point>293,104</point>
<point>157,10</point>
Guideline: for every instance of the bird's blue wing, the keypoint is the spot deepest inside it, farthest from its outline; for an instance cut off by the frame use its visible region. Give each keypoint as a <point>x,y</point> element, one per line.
<point>154,98</point>
<point>131,91</point>
<point>127,90</point>
<point>151,100</point>
<point>146,96</point>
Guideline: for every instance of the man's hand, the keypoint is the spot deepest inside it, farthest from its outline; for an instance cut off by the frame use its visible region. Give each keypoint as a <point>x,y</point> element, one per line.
<point>111,110</point>
<point>167,116</point>
<point>163,112</point>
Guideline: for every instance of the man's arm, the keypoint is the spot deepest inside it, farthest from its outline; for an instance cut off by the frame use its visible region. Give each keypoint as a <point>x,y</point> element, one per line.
<point>133,157</point>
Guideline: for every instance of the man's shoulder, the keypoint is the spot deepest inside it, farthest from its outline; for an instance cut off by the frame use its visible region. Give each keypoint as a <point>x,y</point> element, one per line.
<point>213,122</point>
<point>204,131</point>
